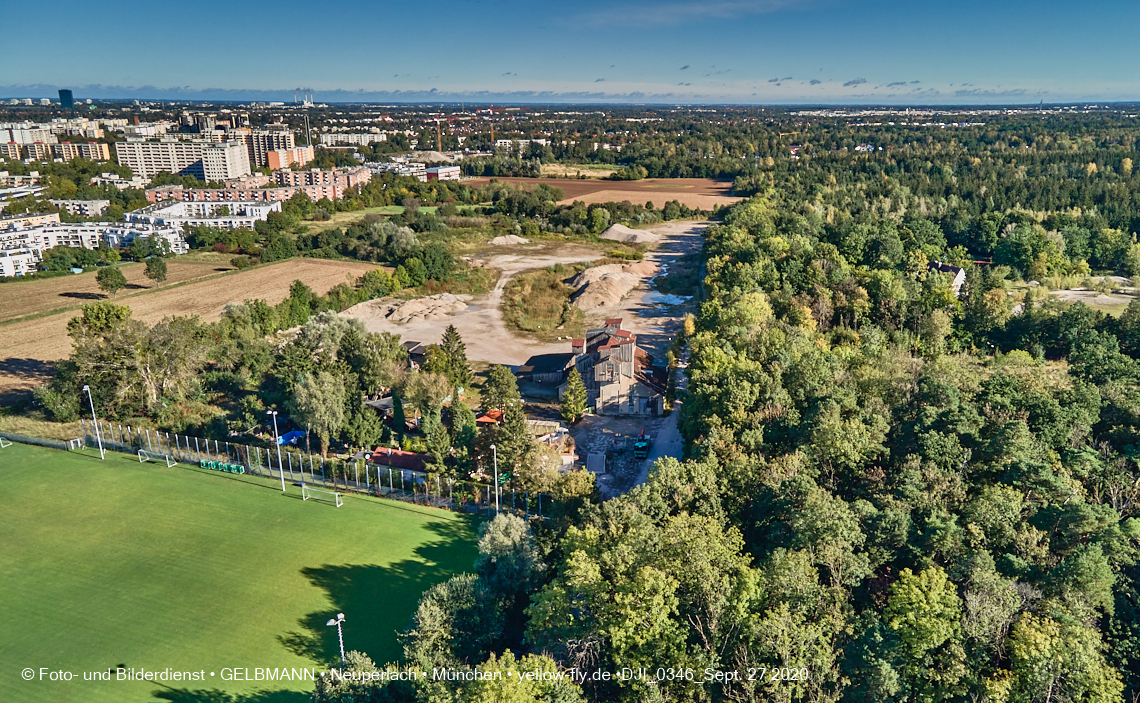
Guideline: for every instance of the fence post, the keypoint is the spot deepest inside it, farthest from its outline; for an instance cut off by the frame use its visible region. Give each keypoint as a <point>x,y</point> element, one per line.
<point>149,446</point>
<point>391,486</point>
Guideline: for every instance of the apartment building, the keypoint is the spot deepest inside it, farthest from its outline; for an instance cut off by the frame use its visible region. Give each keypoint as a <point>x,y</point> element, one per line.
<point>222,215</point>
<point>26,133</point>
<point>411,170</point>
<point>343,177</point>
<point>28,219</point>
<point>42,236</point>
<point>363,139</point>
<point>204,159</point>
<point>114,179</point>
<point>284,158</point>
<point>18,262</point>
<point>263,141</point>
<point>230,195</point>
<point>38,151</point>
<point>82,208</point>
<point>93,151</point>
<point>10,151</point>
<point>443,173</point>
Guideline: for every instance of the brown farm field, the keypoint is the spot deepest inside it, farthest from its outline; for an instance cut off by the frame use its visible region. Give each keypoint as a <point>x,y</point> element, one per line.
<point>704,193</point>
<point>22,298</point>
<point>28,348</point>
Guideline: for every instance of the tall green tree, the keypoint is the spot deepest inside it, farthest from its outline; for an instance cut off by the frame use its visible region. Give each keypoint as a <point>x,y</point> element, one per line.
<point>574,398</point>
<point>458,368</point>
<point>318,403</point>
<point>501,389</point>
<point>111,280</point>
<point>156,270</point>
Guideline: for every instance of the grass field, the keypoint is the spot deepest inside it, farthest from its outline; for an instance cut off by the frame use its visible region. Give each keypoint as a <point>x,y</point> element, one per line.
<point>117,562</point>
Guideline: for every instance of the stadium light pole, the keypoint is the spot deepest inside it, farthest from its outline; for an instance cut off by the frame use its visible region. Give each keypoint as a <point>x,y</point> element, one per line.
<point>277,440</point>
<point>102,454</point>
<point>495,456</point>
<point>339,633</point>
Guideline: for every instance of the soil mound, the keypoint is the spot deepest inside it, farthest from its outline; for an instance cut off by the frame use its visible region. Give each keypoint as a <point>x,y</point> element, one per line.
<point>604,286</point>
<point>509,240</point>
<point>621,233</point>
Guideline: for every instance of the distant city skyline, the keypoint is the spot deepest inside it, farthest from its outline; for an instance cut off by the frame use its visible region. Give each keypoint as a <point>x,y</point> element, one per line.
<point>784,52</point>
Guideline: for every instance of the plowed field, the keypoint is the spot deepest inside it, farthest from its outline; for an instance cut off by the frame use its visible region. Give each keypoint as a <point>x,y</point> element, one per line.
<point>704,193</point>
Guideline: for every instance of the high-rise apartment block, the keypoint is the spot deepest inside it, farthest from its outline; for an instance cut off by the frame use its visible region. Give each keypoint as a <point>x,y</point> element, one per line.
<point>203,159</point>
<point>93,151</point>
<point>285,158</point>
<point>263,141</point>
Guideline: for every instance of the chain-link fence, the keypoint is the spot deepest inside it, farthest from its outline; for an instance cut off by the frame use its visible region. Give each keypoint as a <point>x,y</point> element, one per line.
<point>346,476</point>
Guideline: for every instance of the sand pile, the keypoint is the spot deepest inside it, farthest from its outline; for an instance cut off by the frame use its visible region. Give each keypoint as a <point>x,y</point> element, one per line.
<point>603,286</point>
<point>621,233</point>
<point>509,240</point>
<point>433,307</point>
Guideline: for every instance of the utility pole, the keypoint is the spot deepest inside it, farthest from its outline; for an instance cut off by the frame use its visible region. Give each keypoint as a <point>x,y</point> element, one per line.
<point>438,136</point>
<point>495,455</point>
<point>98,438</point>
<point>277,440</point>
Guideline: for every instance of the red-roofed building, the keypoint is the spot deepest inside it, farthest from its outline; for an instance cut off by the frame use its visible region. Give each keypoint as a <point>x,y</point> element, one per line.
<point>492,417</point>
<point>619,376</point>
<point>398,459</point>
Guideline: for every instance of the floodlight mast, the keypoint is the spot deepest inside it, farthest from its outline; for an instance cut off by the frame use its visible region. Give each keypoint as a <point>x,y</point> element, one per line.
<point>495,456</point>
<point>277,440</point>
<point>339,633</point>
<point>99,439</point>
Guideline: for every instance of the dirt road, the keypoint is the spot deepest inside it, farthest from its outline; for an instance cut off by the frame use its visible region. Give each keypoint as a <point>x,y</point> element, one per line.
<point>481,325</point>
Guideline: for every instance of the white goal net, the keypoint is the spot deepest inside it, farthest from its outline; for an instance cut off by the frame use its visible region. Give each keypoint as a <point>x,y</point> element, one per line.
<point>333,497</point>
<point>154,456</point>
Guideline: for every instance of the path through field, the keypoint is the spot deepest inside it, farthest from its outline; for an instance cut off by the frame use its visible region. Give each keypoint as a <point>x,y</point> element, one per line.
<point>28,349</point>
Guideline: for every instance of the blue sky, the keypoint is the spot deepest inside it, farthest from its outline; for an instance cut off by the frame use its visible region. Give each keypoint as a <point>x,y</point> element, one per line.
<point>735,51</point>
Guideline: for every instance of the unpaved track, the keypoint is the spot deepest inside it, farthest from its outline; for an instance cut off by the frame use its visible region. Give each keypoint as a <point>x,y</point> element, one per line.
<point>481,325</point>
<point>27,349</point>
<point>486,333</point>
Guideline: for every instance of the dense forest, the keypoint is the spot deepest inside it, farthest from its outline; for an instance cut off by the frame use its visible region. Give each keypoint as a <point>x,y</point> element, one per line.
<point>892,490</point>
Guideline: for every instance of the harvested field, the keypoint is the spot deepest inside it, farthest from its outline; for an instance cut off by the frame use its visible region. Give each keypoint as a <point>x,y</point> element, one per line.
<point>704,193</point>
<point>22,298</point>
<point>28,348</point>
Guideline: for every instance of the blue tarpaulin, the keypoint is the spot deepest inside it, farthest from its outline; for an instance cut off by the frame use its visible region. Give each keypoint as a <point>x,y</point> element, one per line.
<point>291,437</point>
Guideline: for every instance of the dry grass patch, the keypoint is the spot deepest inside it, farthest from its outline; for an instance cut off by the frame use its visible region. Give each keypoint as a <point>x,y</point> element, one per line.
<point>538,302</point>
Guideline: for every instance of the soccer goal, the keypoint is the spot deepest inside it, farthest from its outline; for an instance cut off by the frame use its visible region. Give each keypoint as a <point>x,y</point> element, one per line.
<point>4,443</point>
<point>74,444</point>
<point>154,456</point>
<point>333,497</point>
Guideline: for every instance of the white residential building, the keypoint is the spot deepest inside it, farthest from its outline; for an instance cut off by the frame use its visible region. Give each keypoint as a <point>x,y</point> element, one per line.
<point>363,139</point>
<point>223,215</point>
<point>18,262</point>
<point>82,208</point>
<point>114,179</point>
<point>413,170</point>
<point>204,159</point>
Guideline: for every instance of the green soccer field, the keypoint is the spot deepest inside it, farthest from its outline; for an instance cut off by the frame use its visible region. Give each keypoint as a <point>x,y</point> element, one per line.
<point>115,562</point>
